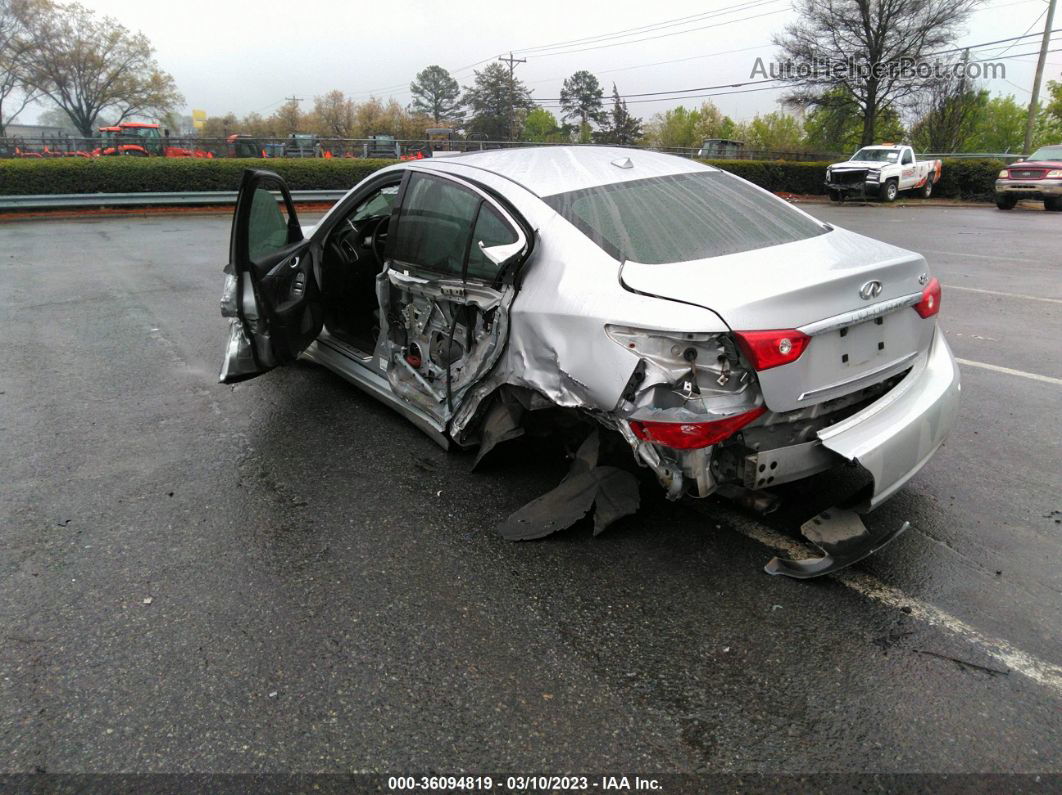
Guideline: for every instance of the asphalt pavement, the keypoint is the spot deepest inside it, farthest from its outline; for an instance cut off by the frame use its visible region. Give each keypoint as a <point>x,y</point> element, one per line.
<point>285,575</point>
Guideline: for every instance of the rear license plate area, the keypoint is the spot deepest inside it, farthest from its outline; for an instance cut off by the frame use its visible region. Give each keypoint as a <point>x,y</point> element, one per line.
<point>862,343</point>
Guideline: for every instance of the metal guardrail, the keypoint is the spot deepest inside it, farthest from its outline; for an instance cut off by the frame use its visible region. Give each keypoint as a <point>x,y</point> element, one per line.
<point>64,201</point>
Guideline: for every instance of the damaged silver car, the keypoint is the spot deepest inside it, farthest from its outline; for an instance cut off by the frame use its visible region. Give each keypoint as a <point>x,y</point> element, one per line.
<point>733,341</point>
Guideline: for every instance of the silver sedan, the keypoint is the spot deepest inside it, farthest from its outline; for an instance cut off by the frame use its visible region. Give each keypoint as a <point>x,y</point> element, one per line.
<point>732,341</point>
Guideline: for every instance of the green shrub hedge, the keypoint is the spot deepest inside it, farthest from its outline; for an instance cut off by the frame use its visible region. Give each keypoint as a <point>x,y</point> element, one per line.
<point>969,179</point>
<point>779,176</point>
<point>138,175</point>
<point>961,179</point>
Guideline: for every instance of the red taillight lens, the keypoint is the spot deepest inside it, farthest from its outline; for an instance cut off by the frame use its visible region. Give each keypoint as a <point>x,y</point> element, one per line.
<point>930,303</point>
<point>767,349</point>
<point>692,435</point>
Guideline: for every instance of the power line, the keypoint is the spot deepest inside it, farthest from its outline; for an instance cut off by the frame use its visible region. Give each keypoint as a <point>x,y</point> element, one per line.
<point>664,35</point>
<point>703,96</point>
<point>1026,33</point>
<point>743,6</point>
<point>631,31</point>
<point>680,94</point>
<point>673,22</point>
<point>602,37</point>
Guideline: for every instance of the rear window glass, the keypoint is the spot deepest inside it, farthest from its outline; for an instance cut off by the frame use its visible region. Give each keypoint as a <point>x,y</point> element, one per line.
<point>682,217</point>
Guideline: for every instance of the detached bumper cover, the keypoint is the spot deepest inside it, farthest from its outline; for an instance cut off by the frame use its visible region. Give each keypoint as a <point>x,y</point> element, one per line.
<point>843,539</point>
<point>895,436</point>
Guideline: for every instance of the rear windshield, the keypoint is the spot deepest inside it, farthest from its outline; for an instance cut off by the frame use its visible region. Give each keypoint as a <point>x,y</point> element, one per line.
<point>682,217</point>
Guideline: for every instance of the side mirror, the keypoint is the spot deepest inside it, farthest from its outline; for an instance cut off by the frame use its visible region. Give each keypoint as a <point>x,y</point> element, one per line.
<point>499,255</point>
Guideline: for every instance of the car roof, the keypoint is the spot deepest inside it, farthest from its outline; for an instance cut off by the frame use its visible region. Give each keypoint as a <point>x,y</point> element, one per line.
<point>548,170</point>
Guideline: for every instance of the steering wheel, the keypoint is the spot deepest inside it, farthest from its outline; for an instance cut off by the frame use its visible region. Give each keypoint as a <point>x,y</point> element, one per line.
<point>378,239</point>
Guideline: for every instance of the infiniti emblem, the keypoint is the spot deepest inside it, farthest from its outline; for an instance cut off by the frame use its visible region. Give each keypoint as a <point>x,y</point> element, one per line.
<point>871,289</point>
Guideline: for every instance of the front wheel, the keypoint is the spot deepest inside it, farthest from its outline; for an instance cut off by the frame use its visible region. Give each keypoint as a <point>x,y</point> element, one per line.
<point>889,191</point>
<point>1053,204</point>
<point>835,196</point>
<point>1005,202</point>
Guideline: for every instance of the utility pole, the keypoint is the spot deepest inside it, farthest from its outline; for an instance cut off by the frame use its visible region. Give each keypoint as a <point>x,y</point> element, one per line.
<point>512,90</point>
<point>1034,101</point>
<point>296,100</point>
<point>963,106</point>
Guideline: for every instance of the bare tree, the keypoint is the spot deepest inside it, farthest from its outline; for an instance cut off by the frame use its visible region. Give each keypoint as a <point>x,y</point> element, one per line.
<point>16,53</point>
<point>870,48</point>
<point>334,114</point>
<point>87,65</point>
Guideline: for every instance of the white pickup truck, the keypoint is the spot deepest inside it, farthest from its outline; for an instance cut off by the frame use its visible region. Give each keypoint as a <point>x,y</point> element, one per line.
<point>882,171</point>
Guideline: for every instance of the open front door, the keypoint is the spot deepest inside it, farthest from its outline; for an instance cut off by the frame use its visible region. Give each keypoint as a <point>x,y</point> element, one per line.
<point>272,296</point>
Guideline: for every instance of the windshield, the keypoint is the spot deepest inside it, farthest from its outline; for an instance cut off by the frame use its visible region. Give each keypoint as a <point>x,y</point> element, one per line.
<point>682,217</point>
<point>877,155</point>
<point>1047,153</point>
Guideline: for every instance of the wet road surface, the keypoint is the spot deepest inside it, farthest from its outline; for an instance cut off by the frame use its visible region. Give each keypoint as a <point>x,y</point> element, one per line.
<point>286,575</point>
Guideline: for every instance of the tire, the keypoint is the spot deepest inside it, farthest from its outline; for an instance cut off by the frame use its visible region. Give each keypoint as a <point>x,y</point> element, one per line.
<point>1053,204</point>
<point>1005,202</point>
<point>926,190</point>
<point>889,191</point>
<point>835,196</point>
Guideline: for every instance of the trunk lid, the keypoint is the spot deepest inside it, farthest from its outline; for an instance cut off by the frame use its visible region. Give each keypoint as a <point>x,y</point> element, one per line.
<point>813,284</point>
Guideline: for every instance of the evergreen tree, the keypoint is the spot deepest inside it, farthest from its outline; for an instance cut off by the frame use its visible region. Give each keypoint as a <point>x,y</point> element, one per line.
<point>620,126</point>
<point>436,94</point>
<point>581,99</point>
<point>497,103</point>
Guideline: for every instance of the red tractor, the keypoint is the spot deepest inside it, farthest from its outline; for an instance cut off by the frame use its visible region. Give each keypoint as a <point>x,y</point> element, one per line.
<point>141,139</point>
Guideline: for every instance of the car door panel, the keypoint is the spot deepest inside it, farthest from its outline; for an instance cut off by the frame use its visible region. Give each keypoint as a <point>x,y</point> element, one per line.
<point>272,295</point>
<point>445,298</point>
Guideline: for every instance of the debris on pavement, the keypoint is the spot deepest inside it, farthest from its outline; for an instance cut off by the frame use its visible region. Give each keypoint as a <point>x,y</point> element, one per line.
<point>611,490</point>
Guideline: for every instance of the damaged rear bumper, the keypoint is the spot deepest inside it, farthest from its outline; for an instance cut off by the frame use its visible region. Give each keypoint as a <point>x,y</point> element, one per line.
<point>892,439</point>
<point>895,436</point>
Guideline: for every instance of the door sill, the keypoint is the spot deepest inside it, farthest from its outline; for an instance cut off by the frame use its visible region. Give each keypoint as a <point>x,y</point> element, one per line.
<point>357,368</point>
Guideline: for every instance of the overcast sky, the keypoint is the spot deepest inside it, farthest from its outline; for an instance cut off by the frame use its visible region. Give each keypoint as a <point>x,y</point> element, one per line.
<point>242,56</point>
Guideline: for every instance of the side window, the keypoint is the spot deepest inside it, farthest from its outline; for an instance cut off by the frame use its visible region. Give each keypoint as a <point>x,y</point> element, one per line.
<point>268,225</point>
<point>491,230</point>
<point>907,157</point>
<point>379,203</point>
<point>435,226</point>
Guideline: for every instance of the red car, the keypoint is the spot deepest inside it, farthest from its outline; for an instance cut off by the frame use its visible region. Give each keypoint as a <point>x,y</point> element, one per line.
<point>1039,177</point>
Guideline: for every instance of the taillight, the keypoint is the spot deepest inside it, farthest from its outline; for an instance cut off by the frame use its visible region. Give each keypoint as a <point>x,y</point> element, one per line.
<point>930,303</point>
<point>767,349</point>
<point>692,435</point>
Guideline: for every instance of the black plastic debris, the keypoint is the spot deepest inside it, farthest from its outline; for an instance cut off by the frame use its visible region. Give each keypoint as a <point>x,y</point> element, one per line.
<point>843,538</point>
<point>611,491</point>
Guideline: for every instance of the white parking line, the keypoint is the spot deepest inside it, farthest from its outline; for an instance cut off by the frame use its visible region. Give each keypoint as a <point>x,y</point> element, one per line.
<point>1047,379</point>
<point>1005,295</point>
<point>1047,674</point>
